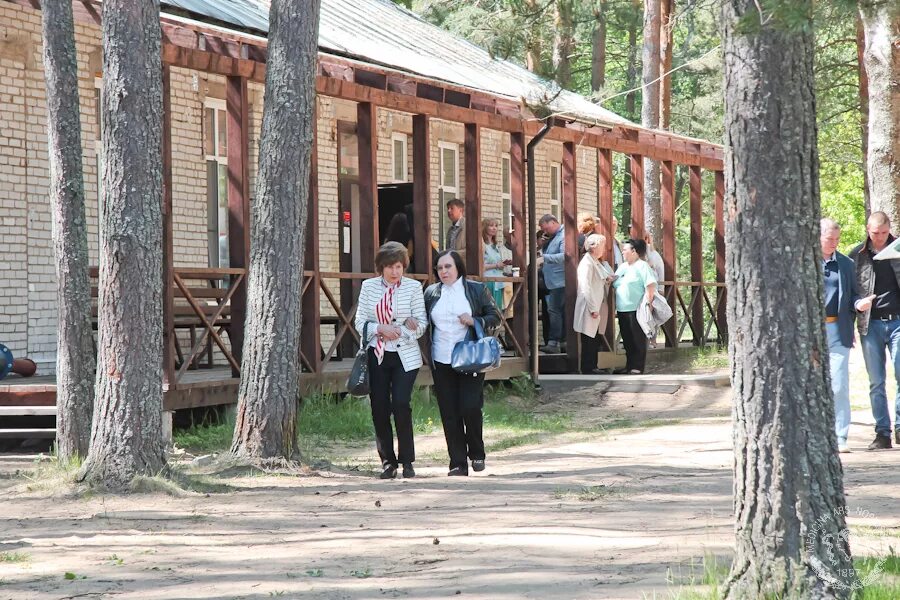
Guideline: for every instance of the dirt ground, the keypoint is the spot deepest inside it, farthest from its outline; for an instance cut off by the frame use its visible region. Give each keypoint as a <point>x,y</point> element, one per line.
<point>623,513</point>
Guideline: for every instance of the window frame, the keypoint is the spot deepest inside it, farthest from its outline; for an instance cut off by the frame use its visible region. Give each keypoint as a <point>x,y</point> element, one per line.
<point>556,203</point>
<point>399,137</point>
<point>442,189</point>
<point>218,105</point>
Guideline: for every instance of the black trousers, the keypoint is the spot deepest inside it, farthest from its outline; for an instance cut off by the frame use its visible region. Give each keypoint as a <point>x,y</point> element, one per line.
<point>635,341</point>
<point>390,394</point>
<point>460,399</point>
<point>590,347</point>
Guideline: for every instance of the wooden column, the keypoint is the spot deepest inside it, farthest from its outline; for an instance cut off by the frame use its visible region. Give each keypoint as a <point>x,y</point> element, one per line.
<point>570,211</point>
<point>605,211</point>
<point>474,251</point>
<point>696,252</point>
<point>667,197</point>
<point>422,193</point>
<point>367,134</point>
<point>519,237</point>
<point>310,327</point>
<point>720,253</point>
<point>238,130</point>
<point>167,246</point>
<point>637,196</point>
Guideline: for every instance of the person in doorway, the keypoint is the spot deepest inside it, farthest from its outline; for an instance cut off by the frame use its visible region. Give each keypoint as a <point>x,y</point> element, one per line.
<point>554,258</point>
<point>634,281</point>
<point>494,263</point>
<point>878,321</point>
<point>840,296</point>
<point>391,318</point>
<point>591,309</point>
<point>456,233</point>
<point>587,224</point>
<point>452,305</point>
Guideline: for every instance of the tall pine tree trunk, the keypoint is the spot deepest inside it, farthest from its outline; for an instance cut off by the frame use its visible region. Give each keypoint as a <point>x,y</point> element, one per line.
<point>650,60</point>
<point>564,42</point>
<point>533,43</point>
<point>788,490</point>
<point>881,22</point>
<point>863,105</point>
<point>75,344</point>
<point>269,391</point>
<point>666,25</point>
<point>630,106</point>
<point>598,47</point>
<point>126,439</point>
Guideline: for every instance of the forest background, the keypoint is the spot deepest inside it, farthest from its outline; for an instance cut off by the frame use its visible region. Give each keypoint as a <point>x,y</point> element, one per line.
<point>594,48</point>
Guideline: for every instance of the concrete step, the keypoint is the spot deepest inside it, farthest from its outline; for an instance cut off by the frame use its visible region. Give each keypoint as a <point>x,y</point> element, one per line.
<point>27,434</point>
<point>17,411</point>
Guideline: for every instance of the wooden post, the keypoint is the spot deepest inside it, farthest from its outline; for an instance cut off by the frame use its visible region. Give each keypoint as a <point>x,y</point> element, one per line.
<point>697,253</point>
<point>667,197</point>
<point>367,134</point>
<point>637,196</point>
<point>605,208</point>
<point>474,243</point>
<point>570,210</point>
<point>310,327</point>
<point>167,245</point>
<point>520,233</point>
<point>238,128</point>
<point>422,193</point>
<point>721,317</point>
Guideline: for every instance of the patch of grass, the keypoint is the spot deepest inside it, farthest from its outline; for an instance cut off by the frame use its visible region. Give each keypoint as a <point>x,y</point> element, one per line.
<point>14,557</point>
<point>710,357</point>
<point>361,573</point>
<point>628,423</point>
<point>204,438</point>
<point>513,441</point>
<point>587,493</point>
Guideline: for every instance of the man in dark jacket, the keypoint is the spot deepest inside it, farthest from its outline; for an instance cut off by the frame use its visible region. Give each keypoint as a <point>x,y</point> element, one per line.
<point>878,282</point>
<point>840,296</point>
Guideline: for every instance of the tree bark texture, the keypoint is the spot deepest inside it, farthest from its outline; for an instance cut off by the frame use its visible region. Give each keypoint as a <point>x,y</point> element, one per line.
<point>564,42</point>
<point>666,28</point>
<point>269,391</point>
<point>533,46</point>
<point>788,490</point>
<point>75,363</point>
<point>126,439</point>
<point>881,22</point>
<point>863,105</point>
<point>598,47</point>
<point>630,101</point>
<point>650,61</point>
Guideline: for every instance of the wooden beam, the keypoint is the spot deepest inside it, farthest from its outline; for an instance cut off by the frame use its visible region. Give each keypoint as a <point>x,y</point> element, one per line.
<point>310,326</point>
<point>721,317</point>
<point>637,196</point>
<point>422,193</point>
<point>367,134</point>
<point>570,211</point>
<point>696,204</point>
<point>472,159</point>
<point>238,129</point>
<point>605,211</point>
<point>667,201</point>
<point>519,237</point>
<point>167,241</point>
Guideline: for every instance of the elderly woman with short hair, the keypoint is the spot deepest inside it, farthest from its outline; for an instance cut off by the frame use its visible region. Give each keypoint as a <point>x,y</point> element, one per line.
<point>391,318</point>
<point>591,313</point>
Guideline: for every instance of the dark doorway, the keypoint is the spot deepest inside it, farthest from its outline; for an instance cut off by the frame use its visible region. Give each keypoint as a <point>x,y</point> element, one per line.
<point>396,221</point>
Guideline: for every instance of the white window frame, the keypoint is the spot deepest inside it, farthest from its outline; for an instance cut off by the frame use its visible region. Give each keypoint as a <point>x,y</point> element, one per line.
<point>556,203</point>
<point>217,105</point>
<point>442,189</point>
<point>399,137</point>
<point>506,197</point>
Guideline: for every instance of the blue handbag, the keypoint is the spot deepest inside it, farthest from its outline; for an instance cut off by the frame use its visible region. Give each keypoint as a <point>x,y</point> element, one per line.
<point>476,356</point>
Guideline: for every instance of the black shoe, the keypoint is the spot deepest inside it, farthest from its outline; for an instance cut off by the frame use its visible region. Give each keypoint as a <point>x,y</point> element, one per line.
<point>478,465</point>
<point>622,371</point>
<point>390,471</point>
<point>881,442</point>
<point>408,471</point>
<point>600,372</point>
<point>458,472</point>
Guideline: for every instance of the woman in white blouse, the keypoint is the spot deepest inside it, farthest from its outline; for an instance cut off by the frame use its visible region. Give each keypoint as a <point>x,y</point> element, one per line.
<point>591,308</point>
<point>390,319</point>
<point>452,307</point>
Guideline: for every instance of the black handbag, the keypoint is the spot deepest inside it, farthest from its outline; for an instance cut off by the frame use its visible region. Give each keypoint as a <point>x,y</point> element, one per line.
<point>476,356</point>
<point>358,382</point>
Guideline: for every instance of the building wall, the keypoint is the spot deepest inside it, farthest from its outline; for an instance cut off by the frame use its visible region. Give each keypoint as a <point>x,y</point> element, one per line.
<point>28,292</point>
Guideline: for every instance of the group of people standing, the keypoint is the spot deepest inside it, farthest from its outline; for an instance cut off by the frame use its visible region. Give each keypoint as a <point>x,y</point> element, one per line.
<point>859,288</point>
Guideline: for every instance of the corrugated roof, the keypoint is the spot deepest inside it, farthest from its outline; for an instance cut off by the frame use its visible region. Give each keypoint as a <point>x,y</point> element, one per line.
<point>383,33</point>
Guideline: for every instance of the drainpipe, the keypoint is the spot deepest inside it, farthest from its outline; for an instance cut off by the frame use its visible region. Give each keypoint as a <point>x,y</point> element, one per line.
<point>532,250</point>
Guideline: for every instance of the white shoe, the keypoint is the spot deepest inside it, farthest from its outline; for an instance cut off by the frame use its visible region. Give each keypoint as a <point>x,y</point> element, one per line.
<point>843,449</point>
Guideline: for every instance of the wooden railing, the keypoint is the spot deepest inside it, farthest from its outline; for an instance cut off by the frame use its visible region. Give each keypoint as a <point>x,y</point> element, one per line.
<point>695,311</point>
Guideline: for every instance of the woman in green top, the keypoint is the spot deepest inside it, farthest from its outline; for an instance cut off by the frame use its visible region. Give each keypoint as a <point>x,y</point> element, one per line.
<point>493,260</point>
<point>635,280</point>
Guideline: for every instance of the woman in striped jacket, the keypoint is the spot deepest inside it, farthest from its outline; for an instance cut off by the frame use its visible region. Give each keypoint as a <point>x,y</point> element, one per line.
<point>390,318</point>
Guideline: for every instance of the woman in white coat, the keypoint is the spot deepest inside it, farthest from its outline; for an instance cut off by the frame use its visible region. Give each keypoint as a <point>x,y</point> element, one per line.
<point>591,313</point>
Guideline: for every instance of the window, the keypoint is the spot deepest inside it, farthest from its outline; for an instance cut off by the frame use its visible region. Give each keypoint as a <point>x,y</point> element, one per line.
<point>505,194</point>
<point>399,157</point>
<point>448,184</point>
<point>215,146</point>
<point>555,190</point>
